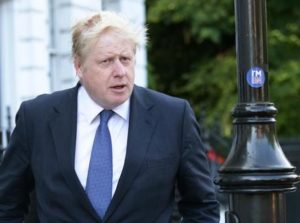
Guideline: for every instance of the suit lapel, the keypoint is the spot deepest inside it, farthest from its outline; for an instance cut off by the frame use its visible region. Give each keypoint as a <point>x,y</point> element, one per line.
<point>142,123</point>
<point>63,127</point>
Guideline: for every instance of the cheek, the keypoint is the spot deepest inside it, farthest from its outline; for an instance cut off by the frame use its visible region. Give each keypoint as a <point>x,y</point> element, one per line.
<point>131,73</point>
<point>94,75</point>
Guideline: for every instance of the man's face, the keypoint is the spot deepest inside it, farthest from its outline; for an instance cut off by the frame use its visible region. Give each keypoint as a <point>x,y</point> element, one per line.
<point>107,72</point>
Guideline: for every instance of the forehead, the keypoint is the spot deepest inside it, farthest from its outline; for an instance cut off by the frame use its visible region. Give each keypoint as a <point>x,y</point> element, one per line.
<point>114,42</point>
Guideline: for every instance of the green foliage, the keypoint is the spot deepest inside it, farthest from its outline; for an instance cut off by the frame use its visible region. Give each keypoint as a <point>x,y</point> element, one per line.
<point>284,63</point>
<point>213,90</point>
<point>285,92</point>
<point>192,55</point>
<point>205,20</point>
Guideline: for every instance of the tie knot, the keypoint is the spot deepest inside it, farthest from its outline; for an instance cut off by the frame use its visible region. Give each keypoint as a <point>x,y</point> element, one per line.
<point>105,115</point>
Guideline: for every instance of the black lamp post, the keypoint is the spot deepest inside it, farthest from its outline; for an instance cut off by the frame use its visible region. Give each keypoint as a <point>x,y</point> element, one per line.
<point>256,173</point>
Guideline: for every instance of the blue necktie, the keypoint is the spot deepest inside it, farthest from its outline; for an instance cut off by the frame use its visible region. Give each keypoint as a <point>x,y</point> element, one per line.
<point>99,181</point>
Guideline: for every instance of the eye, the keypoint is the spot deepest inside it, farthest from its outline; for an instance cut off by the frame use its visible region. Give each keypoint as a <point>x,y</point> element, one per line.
<point>106,62</point>
<point>125,60</point>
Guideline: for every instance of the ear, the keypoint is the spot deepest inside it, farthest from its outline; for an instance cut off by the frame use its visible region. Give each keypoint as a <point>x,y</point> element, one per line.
<point>77,66</point>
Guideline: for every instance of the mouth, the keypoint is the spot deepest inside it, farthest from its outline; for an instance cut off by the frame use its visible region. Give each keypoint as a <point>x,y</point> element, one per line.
<point>118,88</point>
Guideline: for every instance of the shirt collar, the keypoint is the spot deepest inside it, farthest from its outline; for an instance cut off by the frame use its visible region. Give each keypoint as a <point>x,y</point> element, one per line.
<point>89,109</point>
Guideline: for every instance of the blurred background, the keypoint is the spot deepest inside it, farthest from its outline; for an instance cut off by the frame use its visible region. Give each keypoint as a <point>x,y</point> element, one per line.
<point>190,53</point>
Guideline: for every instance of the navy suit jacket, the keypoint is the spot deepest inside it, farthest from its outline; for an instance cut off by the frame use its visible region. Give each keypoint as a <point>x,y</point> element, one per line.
<point>164,149</point>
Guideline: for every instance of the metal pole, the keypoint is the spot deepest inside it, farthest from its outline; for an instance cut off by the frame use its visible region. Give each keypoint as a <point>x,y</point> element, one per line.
<point>256,173</point>
<point>9,126</point>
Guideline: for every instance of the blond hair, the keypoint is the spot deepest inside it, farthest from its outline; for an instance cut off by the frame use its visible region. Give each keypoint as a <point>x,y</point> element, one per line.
<point>86,32</point>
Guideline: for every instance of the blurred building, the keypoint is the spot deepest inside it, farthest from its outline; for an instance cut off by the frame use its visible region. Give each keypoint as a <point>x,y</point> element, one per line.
<point>35,47</point>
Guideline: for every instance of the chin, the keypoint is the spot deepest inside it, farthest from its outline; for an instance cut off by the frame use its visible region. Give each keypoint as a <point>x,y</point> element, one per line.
<point>115,103</point>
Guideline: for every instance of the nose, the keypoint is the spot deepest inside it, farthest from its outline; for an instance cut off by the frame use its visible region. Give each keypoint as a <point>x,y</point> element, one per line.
<point>119,68</point>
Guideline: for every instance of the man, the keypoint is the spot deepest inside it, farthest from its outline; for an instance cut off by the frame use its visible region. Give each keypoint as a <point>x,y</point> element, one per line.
<point>123,171</point>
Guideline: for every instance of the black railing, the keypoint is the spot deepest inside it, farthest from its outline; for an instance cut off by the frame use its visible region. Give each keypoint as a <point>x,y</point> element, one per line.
<point>4,139</point>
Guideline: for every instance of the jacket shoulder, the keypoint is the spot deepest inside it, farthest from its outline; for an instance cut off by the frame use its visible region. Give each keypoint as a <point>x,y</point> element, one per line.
<point>159,97</point>
<point>49,100</point>
<point>46,105</point>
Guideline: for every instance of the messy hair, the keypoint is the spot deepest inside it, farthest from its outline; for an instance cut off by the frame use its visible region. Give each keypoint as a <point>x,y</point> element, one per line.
<point>86,32</point>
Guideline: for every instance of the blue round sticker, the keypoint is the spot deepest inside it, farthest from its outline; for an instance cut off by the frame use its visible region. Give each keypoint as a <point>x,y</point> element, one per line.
<point>256,77</point>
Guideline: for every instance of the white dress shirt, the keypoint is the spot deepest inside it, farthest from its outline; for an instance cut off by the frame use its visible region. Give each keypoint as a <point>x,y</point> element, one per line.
<point>87,123</point>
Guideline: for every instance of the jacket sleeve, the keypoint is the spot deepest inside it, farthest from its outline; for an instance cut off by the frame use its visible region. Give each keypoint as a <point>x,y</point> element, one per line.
<point>15,177</point>
<point>197,194</point>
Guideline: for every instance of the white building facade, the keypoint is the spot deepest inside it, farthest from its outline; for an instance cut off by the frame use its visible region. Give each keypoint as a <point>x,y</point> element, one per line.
<point>35,47</point>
